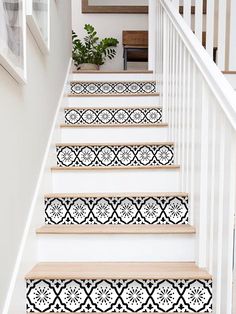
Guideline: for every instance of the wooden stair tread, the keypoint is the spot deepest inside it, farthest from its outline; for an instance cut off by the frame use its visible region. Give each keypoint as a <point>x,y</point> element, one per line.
<point>114,95</point>
<point>128,194</point>
<point>116,229</point>
<point>117,270</point>
<point>113,72</point>
<point>123,312</point>
<point>106,125</point>
<point>115,81</point>
<point>159,167</point>
<point>114,108</point>
<point>228,72</point>
<point>116,144</point>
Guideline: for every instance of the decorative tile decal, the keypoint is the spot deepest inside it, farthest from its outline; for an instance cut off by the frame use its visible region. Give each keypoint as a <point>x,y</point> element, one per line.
<point>119,296</point>
<point>117,210</point>
<point>113,116</point>
<point>115,155</point>
<point>113,88</point>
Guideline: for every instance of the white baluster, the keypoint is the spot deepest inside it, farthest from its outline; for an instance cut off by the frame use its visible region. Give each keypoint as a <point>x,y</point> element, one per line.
<point>189,124</point>
<point>193,147</point>
<point>212,178</point>
<point>165,64</point>
<point>198,19</point>
<point>187,118</point>
<point>173,82</point>
<point>168,70</point>
<point>221,34</point>
<point>187,11</point>
<point>182,118</point>
<point>204,184</point>
<point>228,205</point>
<point>210,18</point>
<point>221,209</point>
<point>232,41</point>
<point>152,35</point>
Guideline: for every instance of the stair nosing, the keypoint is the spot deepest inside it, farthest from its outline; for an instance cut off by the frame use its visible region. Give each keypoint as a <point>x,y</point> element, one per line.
<point>116,144</point>
<point>126,312</point>
<point>115,229</point>
<point>115,81</point>
<point>117,270</point>
<point>122,312</point>
<point>131,194</point>
<point>159,167</point>
<point>106,125</point>
<point>151,106</point>
<point>113,95</point>
<point>113,72</point>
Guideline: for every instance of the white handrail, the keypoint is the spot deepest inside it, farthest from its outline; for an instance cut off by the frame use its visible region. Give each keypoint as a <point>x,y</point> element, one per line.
<point>219,85</point>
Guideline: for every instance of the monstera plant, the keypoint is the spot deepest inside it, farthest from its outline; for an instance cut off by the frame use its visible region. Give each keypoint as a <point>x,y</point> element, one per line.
<point>92,52</point>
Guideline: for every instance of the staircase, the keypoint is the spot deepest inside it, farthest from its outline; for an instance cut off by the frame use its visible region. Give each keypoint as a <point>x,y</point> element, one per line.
<point>117,236</point>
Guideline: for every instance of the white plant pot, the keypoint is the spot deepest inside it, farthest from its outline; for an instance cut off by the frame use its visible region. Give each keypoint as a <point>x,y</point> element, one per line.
<point>89,67</point>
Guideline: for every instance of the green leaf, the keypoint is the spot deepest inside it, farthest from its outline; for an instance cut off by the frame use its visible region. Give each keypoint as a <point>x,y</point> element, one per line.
<point>91,50</point>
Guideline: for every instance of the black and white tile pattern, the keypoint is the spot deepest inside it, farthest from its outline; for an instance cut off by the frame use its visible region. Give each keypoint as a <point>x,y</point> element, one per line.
<point>113,88</point>
<point>115,155</point>
<point>117,210</point>
<point>117,116</point>
<point>119,296</point>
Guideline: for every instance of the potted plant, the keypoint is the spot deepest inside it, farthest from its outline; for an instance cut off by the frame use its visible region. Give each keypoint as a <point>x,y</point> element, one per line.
<point>92,52</point>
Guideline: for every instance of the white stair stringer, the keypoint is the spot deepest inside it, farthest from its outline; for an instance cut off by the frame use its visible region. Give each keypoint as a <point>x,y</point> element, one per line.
<point>116,247</point>
<point>115,180</point>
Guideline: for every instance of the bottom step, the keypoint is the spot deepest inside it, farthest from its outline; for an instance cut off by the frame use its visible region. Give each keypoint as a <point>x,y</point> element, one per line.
<point>119,287</point>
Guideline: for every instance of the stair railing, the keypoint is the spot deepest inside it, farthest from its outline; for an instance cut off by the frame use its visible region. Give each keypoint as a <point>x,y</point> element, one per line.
<point>214,24</point>
<point>200,108</point>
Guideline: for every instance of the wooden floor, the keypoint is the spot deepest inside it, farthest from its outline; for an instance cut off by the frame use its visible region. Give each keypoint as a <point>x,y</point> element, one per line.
<point>113,72</point>
<point>118,270</point>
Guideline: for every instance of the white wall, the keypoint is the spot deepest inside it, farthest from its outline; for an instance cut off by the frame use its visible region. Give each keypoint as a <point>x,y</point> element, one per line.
<point>108,25</point>
<point>27,114</point>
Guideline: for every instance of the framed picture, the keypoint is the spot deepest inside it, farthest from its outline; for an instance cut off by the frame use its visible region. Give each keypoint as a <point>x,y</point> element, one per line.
<point>38,20</point>
<point>119,6</point>
<point>125,6</point>
<point>13,38</point>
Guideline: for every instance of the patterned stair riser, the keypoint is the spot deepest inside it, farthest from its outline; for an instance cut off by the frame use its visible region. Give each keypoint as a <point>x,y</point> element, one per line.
<point>117,210</point>
<point>115,155</point>
<point>116,116</point>
<point>119,296</point>
<point>113,88</point>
